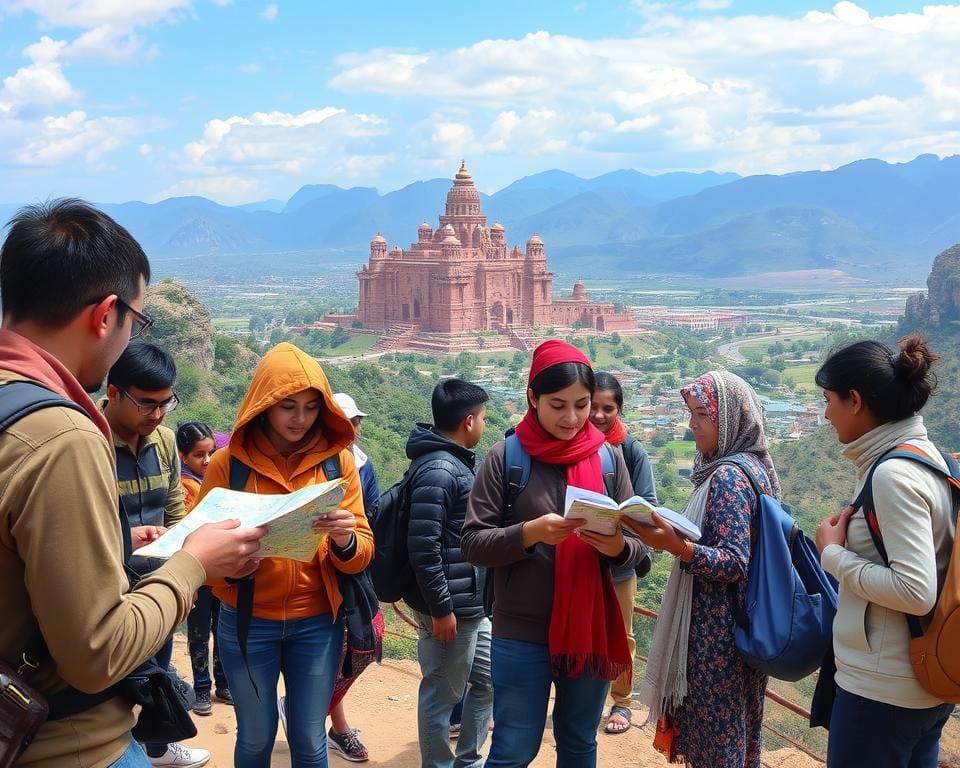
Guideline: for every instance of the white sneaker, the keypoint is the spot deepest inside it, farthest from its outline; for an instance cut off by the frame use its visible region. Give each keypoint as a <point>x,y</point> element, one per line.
<point>282,711</point>
<point>179,756</point>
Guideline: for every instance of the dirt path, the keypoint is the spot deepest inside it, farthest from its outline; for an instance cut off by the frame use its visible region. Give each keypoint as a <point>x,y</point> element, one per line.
<point>383,704</point>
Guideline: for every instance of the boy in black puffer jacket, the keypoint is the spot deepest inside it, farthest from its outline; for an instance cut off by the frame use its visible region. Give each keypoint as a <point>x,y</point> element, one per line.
<point>454,645</point>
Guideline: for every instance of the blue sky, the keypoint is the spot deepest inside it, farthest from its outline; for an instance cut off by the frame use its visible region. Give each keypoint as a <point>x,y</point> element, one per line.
<point>116,100</point>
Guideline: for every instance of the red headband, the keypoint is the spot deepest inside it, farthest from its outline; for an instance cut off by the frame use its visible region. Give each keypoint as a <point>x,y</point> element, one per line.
<point>554,352</point>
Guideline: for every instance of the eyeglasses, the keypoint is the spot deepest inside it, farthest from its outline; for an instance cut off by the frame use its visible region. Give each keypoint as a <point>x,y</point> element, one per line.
<point>141,323</point>
<point>148,407</point>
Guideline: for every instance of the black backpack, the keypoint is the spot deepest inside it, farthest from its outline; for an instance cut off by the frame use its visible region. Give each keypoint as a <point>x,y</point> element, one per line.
<point>391,572</point>
<point>164,702</point>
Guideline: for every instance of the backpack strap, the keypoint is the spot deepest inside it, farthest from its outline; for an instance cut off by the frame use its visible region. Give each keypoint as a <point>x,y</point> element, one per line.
<point>17,400</point>
<point>331,467</point>
<point>239,474</point>
<point>517,463</point>
<point>608,465</point>
<point>865,503</point>
<point>736,606</point>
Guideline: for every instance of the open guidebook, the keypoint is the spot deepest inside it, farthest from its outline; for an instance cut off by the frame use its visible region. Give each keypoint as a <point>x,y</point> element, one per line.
<point>603,513</point>
<point>288,516</point>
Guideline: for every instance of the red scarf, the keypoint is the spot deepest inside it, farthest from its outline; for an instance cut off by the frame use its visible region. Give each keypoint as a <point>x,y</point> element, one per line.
<point>20,355</point>
<point>617,435</point>
<point>587,636</point>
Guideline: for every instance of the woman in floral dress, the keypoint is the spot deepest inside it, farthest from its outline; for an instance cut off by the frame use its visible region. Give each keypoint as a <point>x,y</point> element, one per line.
<point>708,702</point>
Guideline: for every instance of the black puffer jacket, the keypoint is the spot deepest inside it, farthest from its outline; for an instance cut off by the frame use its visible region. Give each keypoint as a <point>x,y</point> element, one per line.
<point>439,490</point>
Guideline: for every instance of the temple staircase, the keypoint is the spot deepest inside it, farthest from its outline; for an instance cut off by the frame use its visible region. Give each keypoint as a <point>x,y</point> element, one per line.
<point>521,337</point>
<point>397,336</point>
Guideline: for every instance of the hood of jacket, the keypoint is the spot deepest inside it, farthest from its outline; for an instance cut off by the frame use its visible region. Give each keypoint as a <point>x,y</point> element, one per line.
<point>284,371</point>
<point>424,438</point>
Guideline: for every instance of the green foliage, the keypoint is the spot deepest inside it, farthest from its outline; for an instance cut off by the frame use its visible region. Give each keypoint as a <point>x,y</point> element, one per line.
<point>189,380</point>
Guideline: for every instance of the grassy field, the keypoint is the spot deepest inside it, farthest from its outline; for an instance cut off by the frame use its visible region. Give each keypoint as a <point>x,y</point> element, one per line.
<point>231,323</point>
<point>355,345</point>
<point>682,449</point>
<point>802,376</point>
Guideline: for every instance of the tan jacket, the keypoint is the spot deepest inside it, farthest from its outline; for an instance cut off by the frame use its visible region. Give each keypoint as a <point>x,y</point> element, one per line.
<point>61,567</point>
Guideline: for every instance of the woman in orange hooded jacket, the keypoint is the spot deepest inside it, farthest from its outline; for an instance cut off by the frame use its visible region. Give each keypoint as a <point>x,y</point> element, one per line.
<point>287,427</point>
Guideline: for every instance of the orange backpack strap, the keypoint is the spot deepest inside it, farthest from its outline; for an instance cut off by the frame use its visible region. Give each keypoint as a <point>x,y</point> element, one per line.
<point>865,502</point>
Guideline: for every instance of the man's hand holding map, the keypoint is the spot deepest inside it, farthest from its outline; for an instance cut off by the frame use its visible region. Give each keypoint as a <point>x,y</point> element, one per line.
<point>290,519</point>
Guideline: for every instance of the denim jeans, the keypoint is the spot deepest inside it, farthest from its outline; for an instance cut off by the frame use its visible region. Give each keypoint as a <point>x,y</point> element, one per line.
<point>521,685</point>
<point>307,653</point>
<point>870,734</point>
<point>200,622</point>
<point>449,669</point>
<point>134,757</point>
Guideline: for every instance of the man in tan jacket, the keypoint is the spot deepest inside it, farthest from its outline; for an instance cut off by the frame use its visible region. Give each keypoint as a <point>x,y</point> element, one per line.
<point>71,286</point>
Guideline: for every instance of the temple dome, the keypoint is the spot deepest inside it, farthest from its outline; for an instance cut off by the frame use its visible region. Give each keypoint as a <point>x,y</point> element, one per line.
<point>378,238</point>
<point>451,240</point>
<point>535,240</point>
<point>447,231</point>
<point>497,227</point>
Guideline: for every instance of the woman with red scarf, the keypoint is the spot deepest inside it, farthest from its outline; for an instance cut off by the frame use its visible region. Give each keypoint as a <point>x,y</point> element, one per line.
<point>605,413</point>
<point>556,620</point>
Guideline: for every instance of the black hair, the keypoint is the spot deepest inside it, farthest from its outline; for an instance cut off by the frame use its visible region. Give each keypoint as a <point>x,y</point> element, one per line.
<point>63,255</point>
<point>893,384</point>
<point>453,400</point>
<point>607,382</point>
<point>561,376</point>
<point>143,365</point>
<point>192,432</point>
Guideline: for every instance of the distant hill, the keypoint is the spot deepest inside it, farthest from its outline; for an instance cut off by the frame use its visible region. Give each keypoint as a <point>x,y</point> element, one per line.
<point>869,218</point>
<point>815,481</point>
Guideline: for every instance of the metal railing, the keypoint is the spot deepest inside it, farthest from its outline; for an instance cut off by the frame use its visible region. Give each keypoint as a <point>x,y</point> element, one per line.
<point>793,708</point>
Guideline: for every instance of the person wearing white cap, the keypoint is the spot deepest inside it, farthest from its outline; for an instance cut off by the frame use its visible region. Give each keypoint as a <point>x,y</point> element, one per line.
<point>368,477</point>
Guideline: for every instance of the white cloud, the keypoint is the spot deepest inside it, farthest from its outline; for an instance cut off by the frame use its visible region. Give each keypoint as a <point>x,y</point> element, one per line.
<point>39,86</point>
<point>87,14</point>
<point>270,13</point>
<point>747,92</point>
<point>250,69</point>
<point>280,141</point>
<point>75,137</point>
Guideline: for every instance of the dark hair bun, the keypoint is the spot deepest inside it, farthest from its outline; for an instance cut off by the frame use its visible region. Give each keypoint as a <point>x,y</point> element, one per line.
<point>916,358</point>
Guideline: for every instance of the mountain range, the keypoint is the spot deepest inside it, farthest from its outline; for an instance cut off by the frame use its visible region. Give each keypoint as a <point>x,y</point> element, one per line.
<point>866,218</point>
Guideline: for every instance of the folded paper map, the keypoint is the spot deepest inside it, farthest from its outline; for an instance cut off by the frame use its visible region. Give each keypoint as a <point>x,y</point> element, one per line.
<point>603,513</point>
<point>288,516</point>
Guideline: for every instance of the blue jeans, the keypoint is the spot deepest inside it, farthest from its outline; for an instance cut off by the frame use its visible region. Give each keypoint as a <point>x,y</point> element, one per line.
<point>521,685</point>
<point>134,757</point>
<point>307,653</point>
<point>449,669</point>
<point>870,734</point>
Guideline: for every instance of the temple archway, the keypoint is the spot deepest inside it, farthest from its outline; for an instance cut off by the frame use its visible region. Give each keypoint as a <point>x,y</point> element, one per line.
<point>496,313</point>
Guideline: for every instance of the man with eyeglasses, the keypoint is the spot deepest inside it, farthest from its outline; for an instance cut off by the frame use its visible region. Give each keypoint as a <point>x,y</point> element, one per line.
<point>139,395</point>
<point>71,286</point>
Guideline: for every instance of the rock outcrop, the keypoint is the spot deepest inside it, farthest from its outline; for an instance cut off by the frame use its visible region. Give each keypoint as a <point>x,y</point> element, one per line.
<point>181,324</point>
<point>941,303</point>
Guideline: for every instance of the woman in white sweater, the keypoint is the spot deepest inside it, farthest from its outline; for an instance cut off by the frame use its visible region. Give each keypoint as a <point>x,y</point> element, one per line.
<point>882,716</point>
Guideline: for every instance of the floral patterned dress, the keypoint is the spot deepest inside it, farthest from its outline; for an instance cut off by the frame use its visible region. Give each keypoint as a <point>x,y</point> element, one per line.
<point>720,719</point>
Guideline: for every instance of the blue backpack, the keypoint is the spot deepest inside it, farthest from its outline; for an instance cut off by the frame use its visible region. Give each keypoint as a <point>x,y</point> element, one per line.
<point>785,625</point>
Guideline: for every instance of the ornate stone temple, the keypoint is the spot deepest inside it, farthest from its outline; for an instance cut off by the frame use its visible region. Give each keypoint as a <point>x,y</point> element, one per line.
<point>464,278</point>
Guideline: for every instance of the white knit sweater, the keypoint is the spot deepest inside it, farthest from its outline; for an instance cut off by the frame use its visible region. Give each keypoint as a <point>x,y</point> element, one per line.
<point>870,633</point>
